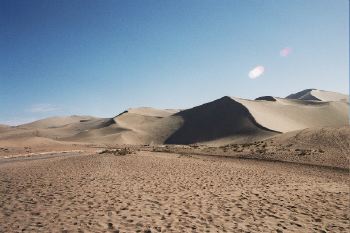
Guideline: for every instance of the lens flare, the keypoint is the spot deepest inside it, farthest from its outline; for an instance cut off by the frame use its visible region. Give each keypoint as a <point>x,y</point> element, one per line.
<point>256,72</point>
<point>285,52</point>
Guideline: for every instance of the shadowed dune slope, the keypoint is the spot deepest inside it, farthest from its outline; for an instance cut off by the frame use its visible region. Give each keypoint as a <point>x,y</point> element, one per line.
<point>303,95</point>
<point>267,98</point>
<point>228,119</point>
<point>219,119</point>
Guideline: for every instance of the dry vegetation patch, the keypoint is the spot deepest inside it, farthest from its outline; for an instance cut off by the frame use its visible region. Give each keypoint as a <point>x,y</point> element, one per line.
<point>118,151</point>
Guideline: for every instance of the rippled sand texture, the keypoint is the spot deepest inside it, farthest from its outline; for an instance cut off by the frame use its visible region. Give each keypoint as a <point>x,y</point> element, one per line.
<point>157,192</point>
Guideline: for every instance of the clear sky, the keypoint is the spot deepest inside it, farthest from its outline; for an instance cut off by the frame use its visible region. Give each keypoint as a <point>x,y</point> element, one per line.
<point>64,57</point>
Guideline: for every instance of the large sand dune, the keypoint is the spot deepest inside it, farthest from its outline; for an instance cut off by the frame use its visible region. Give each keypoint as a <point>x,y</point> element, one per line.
<point>284,115</point>
<point>217,120</point>
<point>134,126</point>
<point>222,121</point>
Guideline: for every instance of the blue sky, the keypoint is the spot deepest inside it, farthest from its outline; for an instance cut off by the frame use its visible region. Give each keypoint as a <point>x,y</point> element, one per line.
<point>101,57</point>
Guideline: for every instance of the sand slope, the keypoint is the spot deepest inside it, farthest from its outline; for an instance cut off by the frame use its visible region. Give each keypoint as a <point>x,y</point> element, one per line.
<point>135,126</point>
<point>326,146</point>
<point>318,95</point>
<point>55,122</point>
<point>322,146</point>
<point>284,115</point>
<point>56,127</point>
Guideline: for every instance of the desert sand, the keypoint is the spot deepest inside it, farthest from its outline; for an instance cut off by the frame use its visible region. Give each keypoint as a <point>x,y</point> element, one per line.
<point>162,192</point>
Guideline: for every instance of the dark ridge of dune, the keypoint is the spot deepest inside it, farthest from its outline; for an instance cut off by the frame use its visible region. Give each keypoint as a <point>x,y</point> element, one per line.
<point>267,98</point>
<point>221,118</point>
<point>126,111</point>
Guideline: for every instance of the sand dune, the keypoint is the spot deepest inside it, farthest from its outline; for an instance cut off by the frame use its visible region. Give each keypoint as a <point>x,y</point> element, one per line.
<point>55,122</point>
<point>219,119</point>
<point>319,95</point>
<point>322,146</point>
<point>284,115</point>
<point>325,146</point>
<point>135,126</point>
<point>219,122</point>
<point>56,127</point>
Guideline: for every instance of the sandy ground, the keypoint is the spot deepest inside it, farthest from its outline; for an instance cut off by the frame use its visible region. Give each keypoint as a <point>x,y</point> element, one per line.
<point>162,192</point>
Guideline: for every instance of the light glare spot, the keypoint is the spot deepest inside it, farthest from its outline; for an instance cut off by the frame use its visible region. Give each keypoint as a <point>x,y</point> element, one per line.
<point>285,52</point>
<point>256,72</point>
